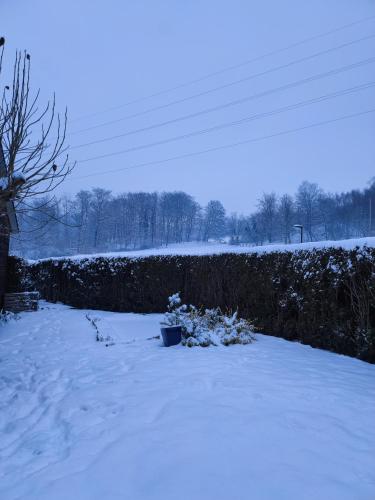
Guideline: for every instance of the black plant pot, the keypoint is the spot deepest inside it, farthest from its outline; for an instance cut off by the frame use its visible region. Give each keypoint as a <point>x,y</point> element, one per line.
<point>171,335</point>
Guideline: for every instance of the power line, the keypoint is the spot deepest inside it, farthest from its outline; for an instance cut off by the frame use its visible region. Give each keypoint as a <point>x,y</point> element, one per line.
<point>231,103</point>
<point>221,87</point>
<point>232,145</point>
<point>230,68</point>
<point>230,124</point>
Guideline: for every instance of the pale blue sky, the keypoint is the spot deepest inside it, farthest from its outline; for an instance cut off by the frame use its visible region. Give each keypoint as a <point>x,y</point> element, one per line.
<point>97,55</point>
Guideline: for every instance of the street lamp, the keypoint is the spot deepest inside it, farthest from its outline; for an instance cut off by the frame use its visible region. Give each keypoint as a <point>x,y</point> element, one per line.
<point>300,227</point>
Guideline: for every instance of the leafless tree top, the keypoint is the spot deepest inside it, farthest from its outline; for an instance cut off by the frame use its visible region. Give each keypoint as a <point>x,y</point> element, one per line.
<point>32,135</point>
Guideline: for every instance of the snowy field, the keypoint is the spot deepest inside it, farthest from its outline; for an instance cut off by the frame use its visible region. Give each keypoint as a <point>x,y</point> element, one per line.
<point>208,248</point>
<point>272,420</point>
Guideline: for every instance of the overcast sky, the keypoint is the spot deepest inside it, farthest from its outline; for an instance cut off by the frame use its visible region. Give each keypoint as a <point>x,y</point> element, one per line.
<point>100,55</point>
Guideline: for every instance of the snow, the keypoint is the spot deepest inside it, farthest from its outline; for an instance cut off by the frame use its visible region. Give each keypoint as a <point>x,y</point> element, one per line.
<point>138,421</point>
<point>18,177</point>
<point>211,248</point>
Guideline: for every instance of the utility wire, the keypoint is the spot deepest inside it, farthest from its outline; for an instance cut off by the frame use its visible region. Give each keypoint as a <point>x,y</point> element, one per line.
<point>230,68</point>
<point>233,123</point>
<point>220,87</point>
<point>229,146</point>
<point>231,103</point>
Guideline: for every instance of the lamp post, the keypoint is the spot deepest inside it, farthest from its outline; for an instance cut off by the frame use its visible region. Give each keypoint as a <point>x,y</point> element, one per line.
<point>300,227</point>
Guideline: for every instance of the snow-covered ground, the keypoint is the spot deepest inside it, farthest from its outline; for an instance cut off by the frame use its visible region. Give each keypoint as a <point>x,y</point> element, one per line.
<point>272,420</point>
<point>204,248</point>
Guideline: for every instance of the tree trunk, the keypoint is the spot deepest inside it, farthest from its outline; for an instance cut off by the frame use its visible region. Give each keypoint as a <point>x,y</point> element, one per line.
<point>4,249</point>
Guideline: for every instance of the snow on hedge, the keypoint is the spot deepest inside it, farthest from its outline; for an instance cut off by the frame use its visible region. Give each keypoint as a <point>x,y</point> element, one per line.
<point>197,248</point>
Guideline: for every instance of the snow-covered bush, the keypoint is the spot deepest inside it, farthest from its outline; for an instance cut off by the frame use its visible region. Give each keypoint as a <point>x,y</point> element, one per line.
<point>6,316</point>
<point>207,327</point>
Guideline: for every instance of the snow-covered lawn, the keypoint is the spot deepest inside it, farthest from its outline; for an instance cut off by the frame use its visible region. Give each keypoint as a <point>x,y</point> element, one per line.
<point>272,420</point>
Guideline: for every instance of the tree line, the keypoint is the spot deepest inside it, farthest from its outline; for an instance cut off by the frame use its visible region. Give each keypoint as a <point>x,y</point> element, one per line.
<point>98,220</point>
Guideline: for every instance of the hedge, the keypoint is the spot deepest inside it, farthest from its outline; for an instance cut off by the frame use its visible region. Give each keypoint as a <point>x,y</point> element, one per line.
<point>324,298</point>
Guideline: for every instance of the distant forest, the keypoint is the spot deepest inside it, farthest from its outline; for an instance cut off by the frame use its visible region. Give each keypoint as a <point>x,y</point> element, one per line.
<point>99,221</point>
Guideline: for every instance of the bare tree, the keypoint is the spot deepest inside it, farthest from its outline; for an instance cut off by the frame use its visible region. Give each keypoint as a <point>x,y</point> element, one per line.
<point>307,198</point>
<point>233,228</point>
<point>286,214</point>
<point>268,213</point>
<point>214,220</point>
<point>32,137</point>
<point>32,153</point>
<point>81,212</point>
<point>100,214</point>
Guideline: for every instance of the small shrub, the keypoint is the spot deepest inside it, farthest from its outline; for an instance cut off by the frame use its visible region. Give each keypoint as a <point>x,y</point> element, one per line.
<point>207,327</point>
<point>6,316</point>
<point>100,336</point>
